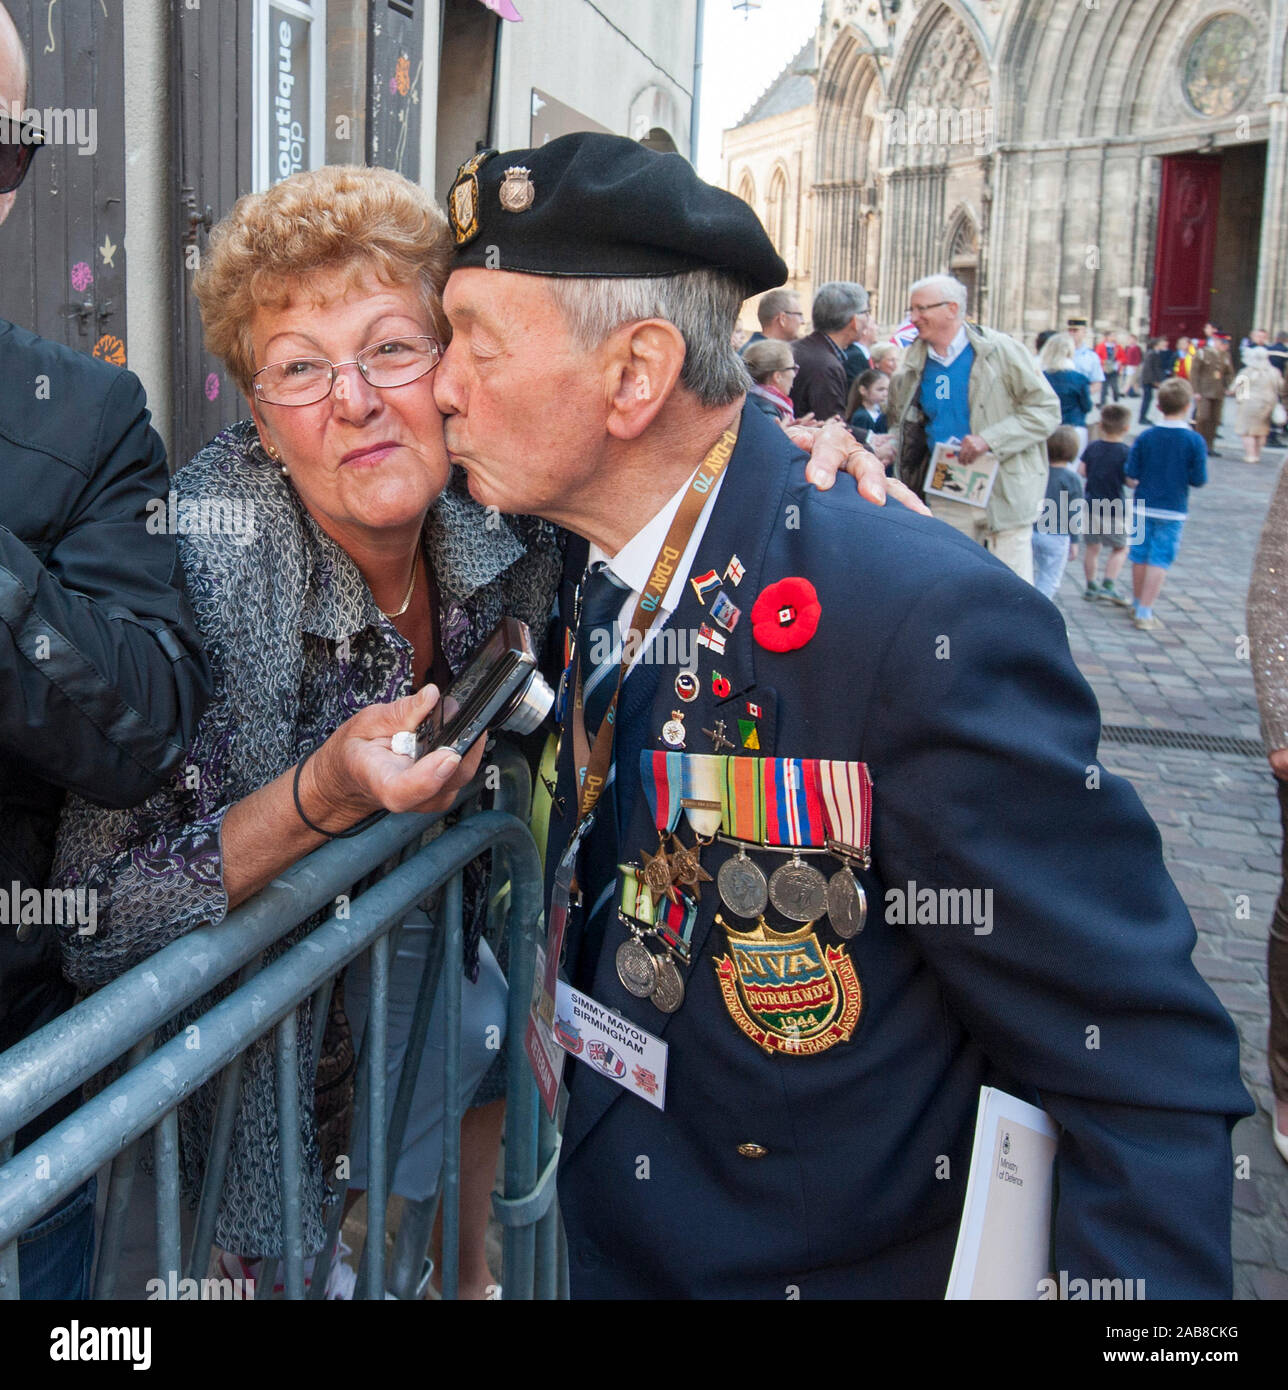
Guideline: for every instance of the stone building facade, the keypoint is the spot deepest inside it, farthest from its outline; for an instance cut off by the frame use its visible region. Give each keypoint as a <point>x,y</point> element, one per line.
<point>1125,161</point>
<point>769,162</point>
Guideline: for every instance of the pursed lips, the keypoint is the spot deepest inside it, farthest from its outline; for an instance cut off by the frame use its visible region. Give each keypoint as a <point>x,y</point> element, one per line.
<point>374,453</point>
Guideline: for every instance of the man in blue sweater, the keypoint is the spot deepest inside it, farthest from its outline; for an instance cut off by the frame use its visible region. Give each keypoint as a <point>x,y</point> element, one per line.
<point>1164,463</point>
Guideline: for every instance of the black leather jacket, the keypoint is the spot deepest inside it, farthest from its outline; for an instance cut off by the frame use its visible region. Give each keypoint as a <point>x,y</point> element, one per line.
<point>102,678</point>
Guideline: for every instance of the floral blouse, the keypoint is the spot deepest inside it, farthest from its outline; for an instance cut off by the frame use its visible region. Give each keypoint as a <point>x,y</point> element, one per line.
<point>296,645</point>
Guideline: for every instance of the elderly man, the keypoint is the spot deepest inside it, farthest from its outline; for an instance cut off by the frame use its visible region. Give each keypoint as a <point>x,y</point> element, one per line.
<point>840,318</point>
<point>1211,375</point>
<point>775,1072</point>
<point>959,381</point>
<point>102,679</point>
<point>781,318</point>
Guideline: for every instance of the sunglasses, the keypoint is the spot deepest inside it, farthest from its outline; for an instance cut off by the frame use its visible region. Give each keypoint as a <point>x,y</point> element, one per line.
<point>19,141</point>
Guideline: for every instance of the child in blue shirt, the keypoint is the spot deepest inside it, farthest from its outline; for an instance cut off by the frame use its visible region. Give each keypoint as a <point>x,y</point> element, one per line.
<point>1165,462</point>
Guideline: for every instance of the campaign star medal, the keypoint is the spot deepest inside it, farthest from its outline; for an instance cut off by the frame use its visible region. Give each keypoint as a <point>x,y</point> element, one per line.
<point>517,191</point>
<point>741,882</point>
<point>787,992</point>
<point>846,790</point>
<point>663,778</point>
<point>463,200</point>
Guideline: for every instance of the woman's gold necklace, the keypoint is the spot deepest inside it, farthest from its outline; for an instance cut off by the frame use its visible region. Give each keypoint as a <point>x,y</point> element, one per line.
<point>411,589</point>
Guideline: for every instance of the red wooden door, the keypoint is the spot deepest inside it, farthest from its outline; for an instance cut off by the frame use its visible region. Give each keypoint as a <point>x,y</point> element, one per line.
<point>1187,209</point>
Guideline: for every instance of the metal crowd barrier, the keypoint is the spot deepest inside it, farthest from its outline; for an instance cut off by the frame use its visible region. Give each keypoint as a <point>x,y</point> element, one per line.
<point>120,1020</point>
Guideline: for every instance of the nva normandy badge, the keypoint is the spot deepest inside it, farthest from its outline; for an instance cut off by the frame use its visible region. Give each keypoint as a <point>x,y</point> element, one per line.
<point>786,992</point>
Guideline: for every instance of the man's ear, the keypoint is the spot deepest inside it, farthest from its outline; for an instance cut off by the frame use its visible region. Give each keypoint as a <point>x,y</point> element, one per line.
<point>645,362</point>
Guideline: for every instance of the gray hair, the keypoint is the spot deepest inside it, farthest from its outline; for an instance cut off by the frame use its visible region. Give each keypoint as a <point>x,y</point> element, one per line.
<point>1057,353</point>
<point>773,304</point>
<point>836,304</point>
<point>944,285</point>
<point>702,304</point>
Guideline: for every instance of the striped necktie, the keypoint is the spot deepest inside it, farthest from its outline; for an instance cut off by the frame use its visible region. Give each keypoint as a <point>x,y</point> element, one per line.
<point>599,645</point>
<point>599,640</point>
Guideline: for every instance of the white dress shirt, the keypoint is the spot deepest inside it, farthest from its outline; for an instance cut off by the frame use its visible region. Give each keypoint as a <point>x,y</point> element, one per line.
<point>633,563</point>
<point>955,349</point>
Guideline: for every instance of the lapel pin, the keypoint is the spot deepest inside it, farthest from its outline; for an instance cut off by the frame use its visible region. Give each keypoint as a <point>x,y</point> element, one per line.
<point>734,571</point>
<point>786,615</point>
<point>703,584</point>
<point>717,736</point>
<point>687,686</point>
<point>749,734</point>
<point>673,730</point>
<point>720,686</point>
<point>724,611</point>
<point>709,637</point>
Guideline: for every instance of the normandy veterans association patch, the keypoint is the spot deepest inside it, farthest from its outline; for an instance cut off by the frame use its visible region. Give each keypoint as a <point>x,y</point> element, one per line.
<point>786,991</point>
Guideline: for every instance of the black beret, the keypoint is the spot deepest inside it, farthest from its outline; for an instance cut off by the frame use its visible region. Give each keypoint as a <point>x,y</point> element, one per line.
<point>590,205</point>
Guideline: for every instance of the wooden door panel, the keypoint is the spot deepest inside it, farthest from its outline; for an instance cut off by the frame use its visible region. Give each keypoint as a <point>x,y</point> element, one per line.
<point>1187,217</point>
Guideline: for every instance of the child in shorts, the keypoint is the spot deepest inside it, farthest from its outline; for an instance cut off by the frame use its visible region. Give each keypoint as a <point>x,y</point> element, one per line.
<point>1102,466</point>
<point>1164,463</point>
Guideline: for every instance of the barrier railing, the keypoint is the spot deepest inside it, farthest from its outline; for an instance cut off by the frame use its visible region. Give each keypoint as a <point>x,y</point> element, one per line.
<point>120,1021</point>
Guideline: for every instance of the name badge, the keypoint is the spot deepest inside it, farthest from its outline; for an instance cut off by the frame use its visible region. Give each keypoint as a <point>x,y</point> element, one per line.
<point>611,1045</point>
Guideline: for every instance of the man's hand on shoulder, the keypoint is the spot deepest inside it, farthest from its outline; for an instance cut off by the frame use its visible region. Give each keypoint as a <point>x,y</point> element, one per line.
<point>833,449</point>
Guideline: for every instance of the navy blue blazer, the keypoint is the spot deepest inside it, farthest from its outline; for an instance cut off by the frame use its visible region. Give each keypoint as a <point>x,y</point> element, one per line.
<point>952,680</point>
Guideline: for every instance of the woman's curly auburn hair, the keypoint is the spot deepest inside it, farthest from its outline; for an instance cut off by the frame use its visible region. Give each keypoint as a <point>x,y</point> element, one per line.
<point>272,244</point>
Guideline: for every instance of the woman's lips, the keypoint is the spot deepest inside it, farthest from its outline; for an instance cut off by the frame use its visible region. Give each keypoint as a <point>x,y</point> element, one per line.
<point>375,453</point>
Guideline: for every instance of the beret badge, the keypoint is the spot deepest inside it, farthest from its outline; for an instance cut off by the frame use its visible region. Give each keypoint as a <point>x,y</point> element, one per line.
<point>463,200</point>
<point>517,192</point>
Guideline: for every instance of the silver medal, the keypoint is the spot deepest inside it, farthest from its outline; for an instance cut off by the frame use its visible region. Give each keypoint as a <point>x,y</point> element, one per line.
<point>847,904</point>
<point>742,886</point>
<point>798,891</point>
<point>636,967</point>
<point>668,992</point>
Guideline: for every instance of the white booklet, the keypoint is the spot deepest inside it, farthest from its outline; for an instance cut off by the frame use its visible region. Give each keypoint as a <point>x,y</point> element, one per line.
<point>1003,1247</point>
<point>947,476</point>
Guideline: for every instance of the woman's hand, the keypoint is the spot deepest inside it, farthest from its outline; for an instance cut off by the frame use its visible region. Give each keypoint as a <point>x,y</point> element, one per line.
<point>356,771</point>
<point>833,449</point>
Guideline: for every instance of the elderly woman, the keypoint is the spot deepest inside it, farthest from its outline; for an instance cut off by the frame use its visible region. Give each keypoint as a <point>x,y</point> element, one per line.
<point>360,584</point>
<point>772,369</point>
<point>1070,385</point>
<point>1257,389</point>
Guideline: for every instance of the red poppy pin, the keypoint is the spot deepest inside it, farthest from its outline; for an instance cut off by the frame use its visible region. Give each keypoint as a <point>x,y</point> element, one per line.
<point>785,615</point>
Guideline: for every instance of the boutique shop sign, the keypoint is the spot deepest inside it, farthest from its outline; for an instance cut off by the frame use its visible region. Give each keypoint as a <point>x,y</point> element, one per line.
<point>290,69</point>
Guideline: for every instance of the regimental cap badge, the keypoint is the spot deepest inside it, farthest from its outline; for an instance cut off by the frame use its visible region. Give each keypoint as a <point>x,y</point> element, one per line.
<point>517,192</point>
<point>463,200</point>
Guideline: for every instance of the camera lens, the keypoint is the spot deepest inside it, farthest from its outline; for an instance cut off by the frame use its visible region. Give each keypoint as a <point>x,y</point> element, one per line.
<point>529,707</point>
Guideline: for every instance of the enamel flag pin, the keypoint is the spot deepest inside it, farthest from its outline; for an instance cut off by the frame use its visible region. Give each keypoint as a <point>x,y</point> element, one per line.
<point>734,571</point>
<point>703,584</point>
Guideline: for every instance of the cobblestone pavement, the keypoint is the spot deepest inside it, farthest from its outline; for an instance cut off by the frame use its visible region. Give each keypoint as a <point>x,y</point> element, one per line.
<point>1217,813</point>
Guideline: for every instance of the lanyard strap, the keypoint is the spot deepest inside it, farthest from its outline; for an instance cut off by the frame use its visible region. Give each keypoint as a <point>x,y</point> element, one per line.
<point>593,763</point>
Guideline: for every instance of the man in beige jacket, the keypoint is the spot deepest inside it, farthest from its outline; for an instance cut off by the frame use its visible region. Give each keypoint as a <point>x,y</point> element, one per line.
<point>961,381</point>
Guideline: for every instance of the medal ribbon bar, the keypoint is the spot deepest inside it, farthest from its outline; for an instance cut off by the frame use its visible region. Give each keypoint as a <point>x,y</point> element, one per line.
<point>793,807</point>
<point>847,809</point>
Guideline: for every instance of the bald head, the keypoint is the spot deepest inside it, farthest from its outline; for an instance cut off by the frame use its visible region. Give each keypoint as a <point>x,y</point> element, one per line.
<point>13,83</point>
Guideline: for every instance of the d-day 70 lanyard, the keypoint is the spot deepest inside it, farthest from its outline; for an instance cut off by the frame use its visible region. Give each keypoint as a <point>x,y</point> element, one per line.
<point>596,760</point>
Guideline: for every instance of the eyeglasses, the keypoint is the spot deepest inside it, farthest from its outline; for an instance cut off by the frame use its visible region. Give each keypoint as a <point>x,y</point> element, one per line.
<point>19,141</point>
<point>793,313</point>
<point>915,309</point>
<point>307,380</point>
